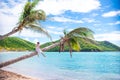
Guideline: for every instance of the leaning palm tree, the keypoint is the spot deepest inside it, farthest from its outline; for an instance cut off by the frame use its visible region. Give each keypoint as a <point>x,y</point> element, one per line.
<point>29,19</point>
<point>71,38</point>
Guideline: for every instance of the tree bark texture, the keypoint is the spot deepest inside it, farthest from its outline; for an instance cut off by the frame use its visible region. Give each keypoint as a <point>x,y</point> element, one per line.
<point>3,64</point>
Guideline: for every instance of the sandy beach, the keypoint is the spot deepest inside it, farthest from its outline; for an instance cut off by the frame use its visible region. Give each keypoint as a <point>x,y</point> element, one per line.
<point>7,75</point>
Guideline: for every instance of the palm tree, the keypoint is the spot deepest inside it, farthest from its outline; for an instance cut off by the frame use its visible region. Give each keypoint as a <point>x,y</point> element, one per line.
<point>71,38</point>
<point>29,19</point>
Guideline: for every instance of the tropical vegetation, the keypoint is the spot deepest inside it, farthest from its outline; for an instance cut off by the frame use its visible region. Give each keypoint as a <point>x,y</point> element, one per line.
<point>70,38</point>
<point>18,44</point>
<point>29,19</point>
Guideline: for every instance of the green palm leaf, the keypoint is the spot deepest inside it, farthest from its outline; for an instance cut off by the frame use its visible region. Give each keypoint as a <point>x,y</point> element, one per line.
<point>37,28</point>
<point>75,44</point>
<point>26,11</point>
<point>73,37</point>
<point>34,3</point>
<point>29,18</point>
<point>29,6</point>
<point>38,15</point>
<point>81,33</point>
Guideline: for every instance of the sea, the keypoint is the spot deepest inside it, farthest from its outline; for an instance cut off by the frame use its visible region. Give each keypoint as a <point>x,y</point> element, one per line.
<point>60,66</point>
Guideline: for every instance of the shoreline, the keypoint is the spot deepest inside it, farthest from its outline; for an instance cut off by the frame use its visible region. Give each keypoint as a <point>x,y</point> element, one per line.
<point>8,75</point>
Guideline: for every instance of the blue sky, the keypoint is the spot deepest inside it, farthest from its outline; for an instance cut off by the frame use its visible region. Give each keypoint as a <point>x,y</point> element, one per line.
<point>101,16</point>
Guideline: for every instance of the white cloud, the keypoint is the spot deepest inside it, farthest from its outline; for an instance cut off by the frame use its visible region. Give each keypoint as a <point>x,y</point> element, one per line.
<point>89,20</point>
<point>27,39</point>
<point>9,16</point>
<point>70,29</point>
<point>95,14</point>
<point>118,22</point>
<point>111,14</point>
<point>7,23</point>
<point>113,37</point>
<point>35,40</point>
<point>115,23</point>
<point>97,24</point>
<point>29,33</point>
<point>3,5</point>
<point>55,32</point>
<point>63,19</point>
<point>51,27</point>
<point>10,12</point>
<point>99,29</point>
<point>57,7</point>
<point>56,28</point>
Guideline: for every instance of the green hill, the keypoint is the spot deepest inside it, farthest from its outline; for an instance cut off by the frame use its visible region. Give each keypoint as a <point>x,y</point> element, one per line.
<point>15,44</point>
<point>107,46</point>
<point>89,46</point>
<point>18,44</point>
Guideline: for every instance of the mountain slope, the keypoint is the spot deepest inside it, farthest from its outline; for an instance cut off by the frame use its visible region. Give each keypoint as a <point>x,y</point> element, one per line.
<point>89,46</point>
<point>18,44</point>
<point>107,46</point>
<point>14,43</point>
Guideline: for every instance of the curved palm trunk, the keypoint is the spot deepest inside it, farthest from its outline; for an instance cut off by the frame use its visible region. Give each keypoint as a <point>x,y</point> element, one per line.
<point>13,31</point>
<point>8,34</point>
<point>27,55</point>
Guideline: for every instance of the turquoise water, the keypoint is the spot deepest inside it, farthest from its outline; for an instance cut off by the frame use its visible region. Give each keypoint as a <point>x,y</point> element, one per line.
<point>59,66</point>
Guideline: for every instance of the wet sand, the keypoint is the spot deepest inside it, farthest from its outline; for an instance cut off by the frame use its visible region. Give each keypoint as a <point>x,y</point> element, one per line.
<point>7,75</point>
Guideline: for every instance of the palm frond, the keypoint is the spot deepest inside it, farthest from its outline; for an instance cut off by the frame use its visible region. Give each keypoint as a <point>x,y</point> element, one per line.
<point>65,32</point>
<point>34,3</point>
<point>39,14</point>
<point>90,41</point>
<point>37,28</point>
<point>75,44</point>
<point>33,17</point>
<point>29,17</point>
<point>81,32</point>
<point>28,9</point>
<point>36,15</point>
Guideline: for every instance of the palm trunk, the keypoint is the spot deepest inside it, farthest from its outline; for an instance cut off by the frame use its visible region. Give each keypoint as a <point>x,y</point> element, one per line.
<point>27,56</point>
<point>13,31</point>
<point>8,34</point>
